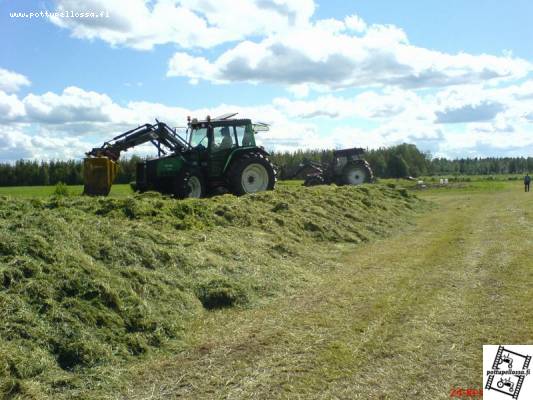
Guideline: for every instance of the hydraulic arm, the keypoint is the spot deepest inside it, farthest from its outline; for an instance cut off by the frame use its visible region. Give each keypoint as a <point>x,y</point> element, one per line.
<point>163,137</point>
<point>100,165</point>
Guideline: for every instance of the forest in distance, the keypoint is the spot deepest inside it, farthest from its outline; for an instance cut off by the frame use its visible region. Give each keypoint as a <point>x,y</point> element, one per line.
<point>392,162</point>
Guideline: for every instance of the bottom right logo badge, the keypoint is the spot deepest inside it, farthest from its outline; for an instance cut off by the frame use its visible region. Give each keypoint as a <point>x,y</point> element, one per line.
<point>506,373</point>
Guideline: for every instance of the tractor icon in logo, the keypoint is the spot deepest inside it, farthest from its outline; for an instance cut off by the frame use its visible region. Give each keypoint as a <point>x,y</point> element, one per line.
<point>506,382</point>
<point>506,359</point>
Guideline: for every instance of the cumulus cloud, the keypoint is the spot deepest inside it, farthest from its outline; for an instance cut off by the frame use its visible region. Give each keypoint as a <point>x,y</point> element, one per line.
<point>67,124</point>
<point>11,108</point>
<point>484,111</point>
<point>16,143</point>
<point>495,119</point>
<point>330,55</point>
<point>12,81</point>
<point>355,23</point>
<point>189,23</point>
<point>73,105</point>
<point>368,104</point>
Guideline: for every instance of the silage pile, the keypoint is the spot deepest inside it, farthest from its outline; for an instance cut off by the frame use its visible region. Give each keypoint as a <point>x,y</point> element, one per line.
<point>86,282</point>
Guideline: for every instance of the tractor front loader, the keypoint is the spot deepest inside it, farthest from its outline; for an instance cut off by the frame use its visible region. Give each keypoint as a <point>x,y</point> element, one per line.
<point>218,155</point>
<point>100,167</point>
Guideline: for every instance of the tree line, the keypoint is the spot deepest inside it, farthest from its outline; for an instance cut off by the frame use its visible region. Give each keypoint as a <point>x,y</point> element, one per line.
<point>392,162</point>
<point>34,173</point>
<point>407,160</point>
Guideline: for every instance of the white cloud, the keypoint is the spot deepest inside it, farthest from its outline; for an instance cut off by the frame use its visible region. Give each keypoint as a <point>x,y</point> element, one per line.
<point>195,68</point>
<point>16,143</point>
<point>369,104</point>
<point>12,81</point>
<point>73,105</point>
<point>11,108</point>
<point>482,111</point>
<point>189,23</point>
<point>355,23</point>
<point>69,123</point>
<point>327,54</point>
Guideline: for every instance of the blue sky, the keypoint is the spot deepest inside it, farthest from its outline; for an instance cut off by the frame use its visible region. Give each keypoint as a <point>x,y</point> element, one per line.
<point>452,77</point>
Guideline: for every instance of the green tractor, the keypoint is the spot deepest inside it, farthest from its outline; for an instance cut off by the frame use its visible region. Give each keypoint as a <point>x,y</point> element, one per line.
<point>217,156</point>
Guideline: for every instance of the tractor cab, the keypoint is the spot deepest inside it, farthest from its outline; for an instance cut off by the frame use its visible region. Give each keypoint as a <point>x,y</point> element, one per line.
<point>218,135</point>
<point>218,141</point>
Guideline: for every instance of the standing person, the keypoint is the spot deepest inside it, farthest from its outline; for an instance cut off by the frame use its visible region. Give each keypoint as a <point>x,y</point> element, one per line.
<point>527,180</point>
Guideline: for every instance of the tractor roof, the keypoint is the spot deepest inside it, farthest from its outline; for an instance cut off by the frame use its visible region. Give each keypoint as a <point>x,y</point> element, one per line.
<point>225,122</point>
<point>221,120</point>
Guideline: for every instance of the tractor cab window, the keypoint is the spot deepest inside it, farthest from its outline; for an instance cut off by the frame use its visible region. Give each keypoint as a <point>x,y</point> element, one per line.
<point>239,131</point>
<point>223,138</point>
<point>198,137</point>
<point>245,135</point>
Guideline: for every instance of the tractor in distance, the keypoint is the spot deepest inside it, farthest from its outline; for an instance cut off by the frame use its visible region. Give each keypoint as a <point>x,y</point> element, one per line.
<point>346,168</point>
<point>218,155</point>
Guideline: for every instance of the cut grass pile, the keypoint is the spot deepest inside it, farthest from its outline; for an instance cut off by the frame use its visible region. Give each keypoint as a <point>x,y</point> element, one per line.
<point>89,283</point>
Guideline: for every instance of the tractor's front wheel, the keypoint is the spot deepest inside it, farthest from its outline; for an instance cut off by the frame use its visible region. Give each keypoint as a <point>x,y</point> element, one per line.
<point>189,183</point>
<point>356,174</point>
<point>251,173</point>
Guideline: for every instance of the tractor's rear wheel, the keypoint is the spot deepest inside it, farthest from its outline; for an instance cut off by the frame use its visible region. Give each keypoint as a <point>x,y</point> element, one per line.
<point>189,183</point>
<point>356,174</point>
<point>251,173</point>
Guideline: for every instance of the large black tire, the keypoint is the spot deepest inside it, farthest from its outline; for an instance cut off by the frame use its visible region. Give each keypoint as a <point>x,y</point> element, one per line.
<point>190,182</point>
<point>313,180</point>
<point>357,173</point>
<point>252,172</point>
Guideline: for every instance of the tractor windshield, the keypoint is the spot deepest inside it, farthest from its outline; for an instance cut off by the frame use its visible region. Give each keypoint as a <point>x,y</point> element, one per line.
<point>198,137</point>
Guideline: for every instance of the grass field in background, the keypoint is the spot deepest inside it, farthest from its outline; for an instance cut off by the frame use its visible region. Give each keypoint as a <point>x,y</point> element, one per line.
<point>461,182</point>
<point>119,190</point>
<point>47,191</point>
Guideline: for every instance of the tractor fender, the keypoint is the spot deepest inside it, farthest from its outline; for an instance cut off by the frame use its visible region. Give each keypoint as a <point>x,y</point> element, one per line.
<point>240,151</point>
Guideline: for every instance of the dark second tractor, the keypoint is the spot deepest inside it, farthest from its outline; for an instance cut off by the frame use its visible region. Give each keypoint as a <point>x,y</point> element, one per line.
<point>217,155</point>
<point>346,168</point>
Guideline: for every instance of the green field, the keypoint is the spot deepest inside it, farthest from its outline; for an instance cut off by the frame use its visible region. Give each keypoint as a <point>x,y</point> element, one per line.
<point>121,190</point>
<point>349,293</point>
<point>47,191</point>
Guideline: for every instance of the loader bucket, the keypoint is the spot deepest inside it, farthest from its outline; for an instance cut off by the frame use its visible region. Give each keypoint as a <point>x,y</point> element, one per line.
<point>98,175</point>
